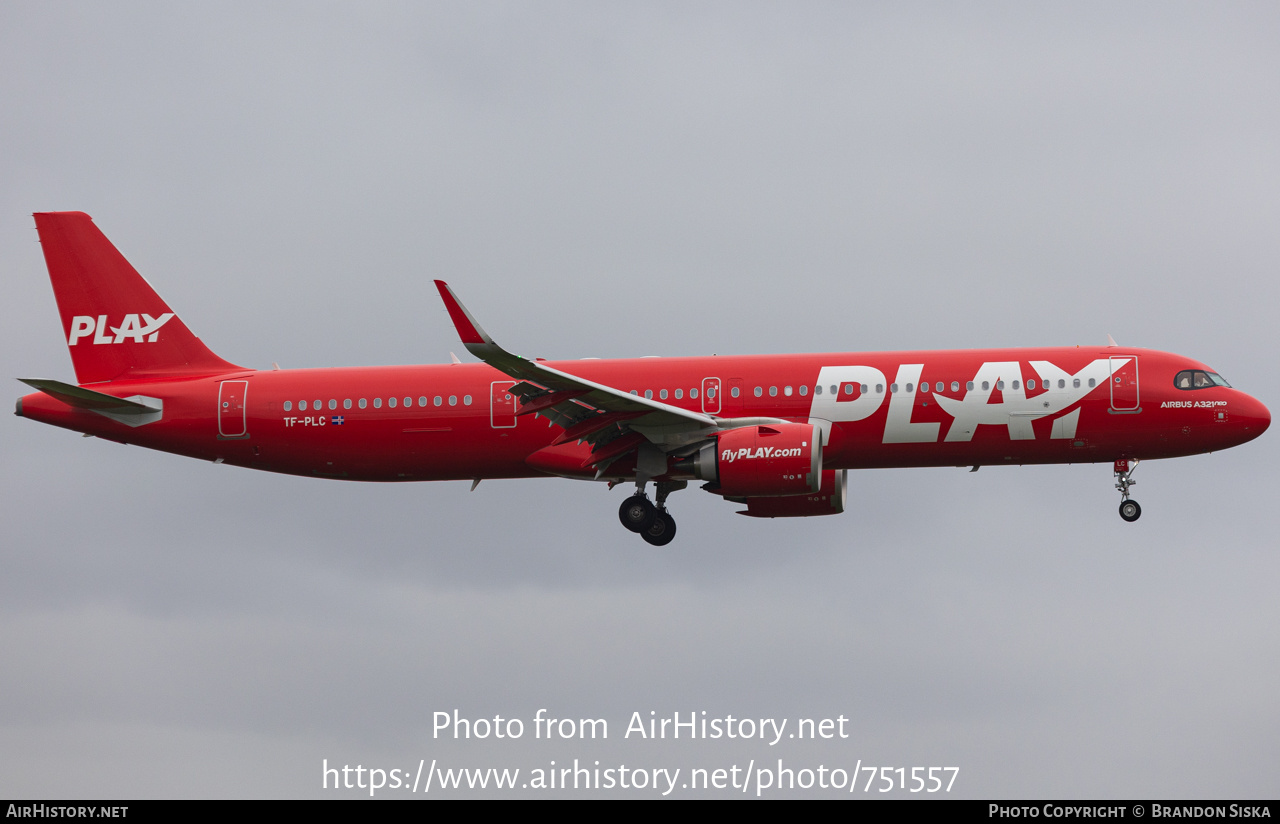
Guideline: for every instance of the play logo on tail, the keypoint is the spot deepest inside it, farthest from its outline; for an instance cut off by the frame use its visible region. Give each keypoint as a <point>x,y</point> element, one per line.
<point>103,300</point>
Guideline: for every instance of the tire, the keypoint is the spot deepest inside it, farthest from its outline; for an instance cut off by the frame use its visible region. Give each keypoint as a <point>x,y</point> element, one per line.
<point>1130,511</point>
<point>661,531</point>
<point>636,513</point>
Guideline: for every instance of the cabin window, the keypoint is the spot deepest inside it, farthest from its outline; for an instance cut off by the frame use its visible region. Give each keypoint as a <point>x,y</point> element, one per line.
<point>817,390</point>
<point>955,386</point>
<point>986,386</point>
<point>1015,384</point>
<point>318,406</point>
<point>893,389</point>
<point>735,391</point>
<point>648,394</point>
<point>377,403</point>
<point>848,389</point>
<point>910,389</point>
<point>693,393</point>
<point>1062,384</point>
<point>634,392</point>
<point>1000,385</point>
<point>391,402</point>
<point>1031,383</point>
<point>939,387</point>
<point>835,390</point>
<point>759,391</point>
<point>773,391</point>
<point>438,401</point>
<point>662,394</point>
<point>346,403</point>
<point>804,390</point>
<point>453,400</point>
<point>1075,384</point>
<point>288,405</point>
<point>786,390</point>
<point>466,400</point>
<point>865,389</point>
<point>333,403</point>
<point>422,400</point>
<point>363,403</point>
<point>1092,383</point>
<point>879,388</point>
<point>680,393</point>
<point>969,385</point>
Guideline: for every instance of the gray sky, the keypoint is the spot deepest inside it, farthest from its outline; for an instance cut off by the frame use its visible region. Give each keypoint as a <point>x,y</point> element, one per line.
<point>665,179</point>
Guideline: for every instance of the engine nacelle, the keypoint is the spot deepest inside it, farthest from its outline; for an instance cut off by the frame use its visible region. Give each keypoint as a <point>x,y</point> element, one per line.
<point>761,461</point>
<point>828,501</point>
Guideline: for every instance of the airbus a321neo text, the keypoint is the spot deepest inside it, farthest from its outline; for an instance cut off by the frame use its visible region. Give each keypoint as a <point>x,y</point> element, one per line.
<point>774,433</point>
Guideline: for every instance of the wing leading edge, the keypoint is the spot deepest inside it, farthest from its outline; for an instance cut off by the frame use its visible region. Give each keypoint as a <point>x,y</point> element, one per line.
<point>605,417</point>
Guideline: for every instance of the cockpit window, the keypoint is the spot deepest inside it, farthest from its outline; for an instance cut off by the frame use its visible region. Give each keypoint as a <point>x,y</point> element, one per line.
<point>1198,379</point>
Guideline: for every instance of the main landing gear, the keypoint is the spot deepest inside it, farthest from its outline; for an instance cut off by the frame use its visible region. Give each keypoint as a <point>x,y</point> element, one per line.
<point>651,521</point>
<point>1129,509</point>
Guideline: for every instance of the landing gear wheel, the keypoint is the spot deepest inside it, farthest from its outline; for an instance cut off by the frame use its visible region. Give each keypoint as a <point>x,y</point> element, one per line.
<point>662,530</point>
<point>1130,511</point>
<point>636,513</point>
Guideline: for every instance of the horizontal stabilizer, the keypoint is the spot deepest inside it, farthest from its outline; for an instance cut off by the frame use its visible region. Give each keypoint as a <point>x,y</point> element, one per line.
<point>83,398</point>
<point>135,410</point>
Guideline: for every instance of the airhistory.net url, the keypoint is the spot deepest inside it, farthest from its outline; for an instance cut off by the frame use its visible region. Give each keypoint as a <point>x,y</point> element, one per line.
<point>758,780</point>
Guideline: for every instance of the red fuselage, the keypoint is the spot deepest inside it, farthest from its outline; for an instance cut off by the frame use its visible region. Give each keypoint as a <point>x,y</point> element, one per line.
<point>890,409</point>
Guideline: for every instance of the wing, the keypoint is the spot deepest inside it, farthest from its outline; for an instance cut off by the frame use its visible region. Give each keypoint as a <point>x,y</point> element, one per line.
<point>612,421</point>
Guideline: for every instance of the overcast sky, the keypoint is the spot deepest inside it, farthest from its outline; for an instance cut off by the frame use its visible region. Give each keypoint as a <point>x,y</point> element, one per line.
<point>647,179</point>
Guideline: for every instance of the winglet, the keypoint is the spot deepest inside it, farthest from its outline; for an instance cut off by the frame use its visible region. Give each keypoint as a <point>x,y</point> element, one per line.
<point>468,329</point>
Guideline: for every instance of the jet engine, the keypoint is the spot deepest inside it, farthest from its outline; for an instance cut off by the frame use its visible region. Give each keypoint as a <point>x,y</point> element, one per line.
<point>760,461</point>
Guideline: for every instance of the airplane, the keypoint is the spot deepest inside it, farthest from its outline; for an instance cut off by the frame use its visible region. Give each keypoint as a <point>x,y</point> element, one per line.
<point>775,433</point>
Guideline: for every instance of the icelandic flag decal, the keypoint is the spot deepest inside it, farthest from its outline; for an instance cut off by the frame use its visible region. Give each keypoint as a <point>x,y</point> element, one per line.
<point>337,420</point>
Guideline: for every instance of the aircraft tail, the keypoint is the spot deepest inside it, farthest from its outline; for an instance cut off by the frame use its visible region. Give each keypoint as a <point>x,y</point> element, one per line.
<point>117,327</point>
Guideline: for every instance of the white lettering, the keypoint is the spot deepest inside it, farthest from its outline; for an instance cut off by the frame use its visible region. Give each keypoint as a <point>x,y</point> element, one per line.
<point>152,330</point>
<point>134,326</point>
<point>129,328</point>
<point>81,325</point>
<point>100,336</point>
<point>898,427</point>
<point>976,408</point>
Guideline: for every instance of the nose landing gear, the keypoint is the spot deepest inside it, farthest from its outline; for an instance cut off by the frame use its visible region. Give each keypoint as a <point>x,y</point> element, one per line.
<point>1129,509</point>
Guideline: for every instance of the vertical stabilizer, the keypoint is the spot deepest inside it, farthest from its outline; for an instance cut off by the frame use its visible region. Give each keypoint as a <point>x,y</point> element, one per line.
<point>116,326</point>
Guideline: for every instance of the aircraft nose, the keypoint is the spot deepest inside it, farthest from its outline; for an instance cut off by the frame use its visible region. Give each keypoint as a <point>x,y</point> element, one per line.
<point>1253,417</point>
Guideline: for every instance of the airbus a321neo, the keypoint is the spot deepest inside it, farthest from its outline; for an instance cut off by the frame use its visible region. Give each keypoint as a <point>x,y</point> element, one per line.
<point>775,433</point>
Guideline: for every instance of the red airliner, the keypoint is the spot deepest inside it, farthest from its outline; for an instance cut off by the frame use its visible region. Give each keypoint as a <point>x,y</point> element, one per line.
<point>776,432</point>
